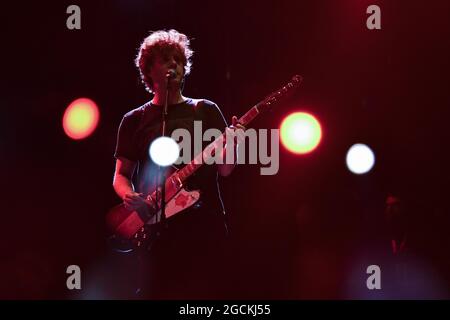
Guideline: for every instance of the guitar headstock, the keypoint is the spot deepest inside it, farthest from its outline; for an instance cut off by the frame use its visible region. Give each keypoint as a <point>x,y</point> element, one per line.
<point>280,93</point>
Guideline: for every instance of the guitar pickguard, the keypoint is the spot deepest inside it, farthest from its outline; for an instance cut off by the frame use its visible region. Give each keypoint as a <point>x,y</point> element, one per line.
<point>181,201</point>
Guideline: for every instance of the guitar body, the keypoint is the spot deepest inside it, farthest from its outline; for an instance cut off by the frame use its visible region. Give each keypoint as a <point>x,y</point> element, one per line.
<point>126,223</point>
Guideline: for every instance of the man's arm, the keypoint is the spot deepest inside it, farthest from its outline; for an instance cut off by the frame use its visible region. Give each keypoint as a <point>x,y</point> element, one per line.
<point>123,186</point>
<point>122,176</point>
<point>226,169</point>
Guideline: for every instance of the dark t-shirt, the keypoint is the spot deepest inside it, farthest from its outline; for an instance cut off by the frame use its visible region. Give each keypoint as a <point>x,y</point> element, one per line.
<point>141,126</point>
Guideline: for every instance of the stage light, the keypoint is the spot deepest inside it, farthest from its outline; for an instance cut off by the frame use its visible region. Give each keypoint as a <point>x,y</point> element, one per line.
<point>80,118</point>
<point>360,159</point>
<point>164,151</point>
<point>300,132</point>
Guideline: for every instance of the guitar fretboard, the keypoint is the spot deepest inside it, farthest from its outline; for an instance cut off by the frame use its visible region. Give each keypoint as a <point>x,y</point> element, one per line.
<point>209,151</point>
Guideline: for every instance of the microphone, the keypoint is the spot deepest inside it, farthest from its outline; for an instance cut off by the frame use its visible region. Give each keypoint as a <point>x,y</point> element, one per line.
<point>171,74</point>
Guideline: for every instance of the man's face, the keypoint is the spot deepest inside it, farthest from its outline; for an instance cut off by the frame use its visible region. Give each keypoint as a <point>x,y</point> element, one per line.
<point>169,60</point>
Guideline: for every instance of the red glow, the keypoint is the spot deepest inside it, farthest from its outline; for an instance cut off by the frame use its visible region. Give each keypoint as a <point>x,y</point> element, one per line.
<point>80,118</point>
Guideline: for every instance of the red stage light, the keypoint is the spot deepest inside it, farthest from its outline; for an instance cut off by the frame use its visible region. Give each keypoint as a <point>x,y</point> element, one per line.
<point>80,118</point>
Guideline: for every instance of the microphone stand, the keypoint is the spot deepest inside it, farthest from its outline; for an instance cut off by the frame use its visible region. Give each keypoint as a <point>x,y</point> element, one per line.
<point>161,180</point>
<point>161,172</point>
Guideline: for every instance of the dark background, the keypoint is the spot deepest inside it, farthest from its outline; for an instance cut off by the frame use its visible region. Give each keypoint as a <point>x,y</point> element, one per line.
<point>308,232</point>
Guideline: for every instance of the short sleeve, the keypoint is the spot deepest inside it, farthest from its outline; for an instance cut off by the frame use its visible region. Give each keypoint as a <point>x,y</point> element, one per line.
<point>125,144</point>
<point>214,116</point>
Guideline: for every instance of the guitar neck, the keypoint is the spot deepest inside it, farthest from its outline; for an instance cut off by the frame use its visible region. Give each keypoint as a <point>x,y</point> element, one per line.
<point>209,151</point>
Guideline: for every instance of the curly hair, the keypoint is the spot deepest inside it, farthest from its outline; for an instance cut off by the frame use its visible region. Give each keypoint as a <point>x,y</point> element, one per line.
<point>159,43</point>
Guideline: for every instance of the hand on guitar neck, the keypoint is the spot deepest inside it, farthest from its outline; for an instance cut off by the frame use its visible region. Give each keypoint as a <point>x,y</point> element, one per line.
<point>235,125</point>
<point>225,169</point>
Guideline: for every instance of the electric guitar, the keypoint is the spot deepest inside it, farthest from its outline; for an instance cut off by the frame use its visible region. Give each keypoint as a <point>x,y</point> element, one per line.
<point>129,225</point>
